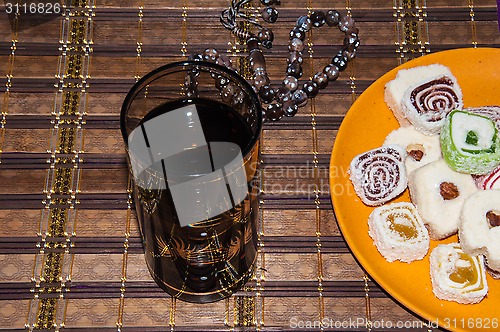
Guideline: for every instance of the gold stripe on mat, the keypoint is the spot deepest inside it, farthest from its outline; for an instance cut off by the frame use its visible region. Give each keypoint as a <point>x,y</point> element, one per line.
<point>53,263</point>
<point>244,309</point>
<point>317,180</point>
<point>125,255</point>
<point>184,28</point>
<point>9,76</point>
<point>473,23</point>
<point>368,306</point>
<point>411,29</point>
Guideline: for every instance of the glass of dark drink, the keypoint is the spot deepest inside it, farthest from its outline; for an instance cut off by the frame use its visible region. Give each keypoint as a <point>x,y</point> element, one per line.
<point>192,137</point>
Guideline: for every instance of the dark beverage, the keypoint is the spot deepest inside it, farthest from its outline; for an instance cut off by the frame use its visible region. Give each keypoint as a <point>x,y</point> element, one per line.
<point>210,259</point>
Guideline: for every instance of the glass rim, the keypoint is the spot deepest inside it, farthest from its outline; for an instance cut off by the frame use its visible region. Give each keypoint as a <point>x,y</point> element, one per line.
<point>141,82</point>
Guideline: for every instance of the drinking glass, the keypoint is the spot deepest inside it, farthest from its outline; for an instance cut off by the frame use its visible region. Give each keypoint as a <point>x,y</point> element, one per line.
<point>191,131</point>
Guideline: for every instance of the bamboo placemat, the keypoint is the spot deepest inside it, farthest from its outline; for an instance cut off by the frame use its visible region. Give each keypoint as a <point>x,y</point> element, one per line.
<point>70,250</point>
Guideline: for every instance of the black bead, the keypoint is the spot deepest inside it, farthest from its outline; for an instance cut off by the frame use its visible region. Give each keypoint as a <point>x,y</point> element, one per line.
<point>297,33</point>
<point>318,18</point>
<point>196,57</point>
<point>311,89</point>
<point>274,112</point>
<point>210,54</point>
<point>265,34</point>
<point>332,71</point>
<point>269,14</point>
<point>267,2</point>
<point>267,44</point>
<point>321,79</point>
<point>290,108</point>
<point>294,69</point>
<point>340,61</point>
<point>266,94</point>
<point>332,18</point>
<point>221,82</point>
<point>304,23</point>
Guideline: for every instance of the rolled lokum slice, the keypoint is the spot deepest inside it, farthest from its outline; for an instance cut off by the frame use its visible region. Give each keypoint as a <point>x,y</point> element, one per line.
<point>379,175</point>
<point>457,276</point>
<point>490,180</point>
<point>492,112</point>
<point>470,143</point>
<point>421,149</point>
<point>398,232</point>
<point>438,192</point>
<point>423,96</point>
<point>479,229</point>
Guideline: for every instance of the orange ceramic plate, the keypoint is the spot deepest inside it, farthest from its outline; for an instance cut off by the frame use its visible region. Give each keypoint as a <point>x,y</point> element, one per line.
<point>365,127</point>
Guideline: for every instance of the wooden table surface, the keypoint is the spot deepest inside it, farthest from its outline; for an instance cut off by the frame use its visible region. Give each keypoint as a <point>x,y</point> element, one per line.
<point>70,249</point>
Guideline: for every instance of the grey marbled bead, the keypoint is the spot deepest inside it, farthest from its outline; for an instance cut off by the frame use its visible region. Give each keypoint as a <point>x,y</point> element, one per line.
<point>295,57</point>
<point>284,94</point>
<point>300,98</point>
<point>349,53</point>
<point>346,23</point>
<point>291,83</point>
<point>332,72</point>
<point>304,23</point>
<point>296,45</point>
<point>269,14</point>
<point>260,81</point>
